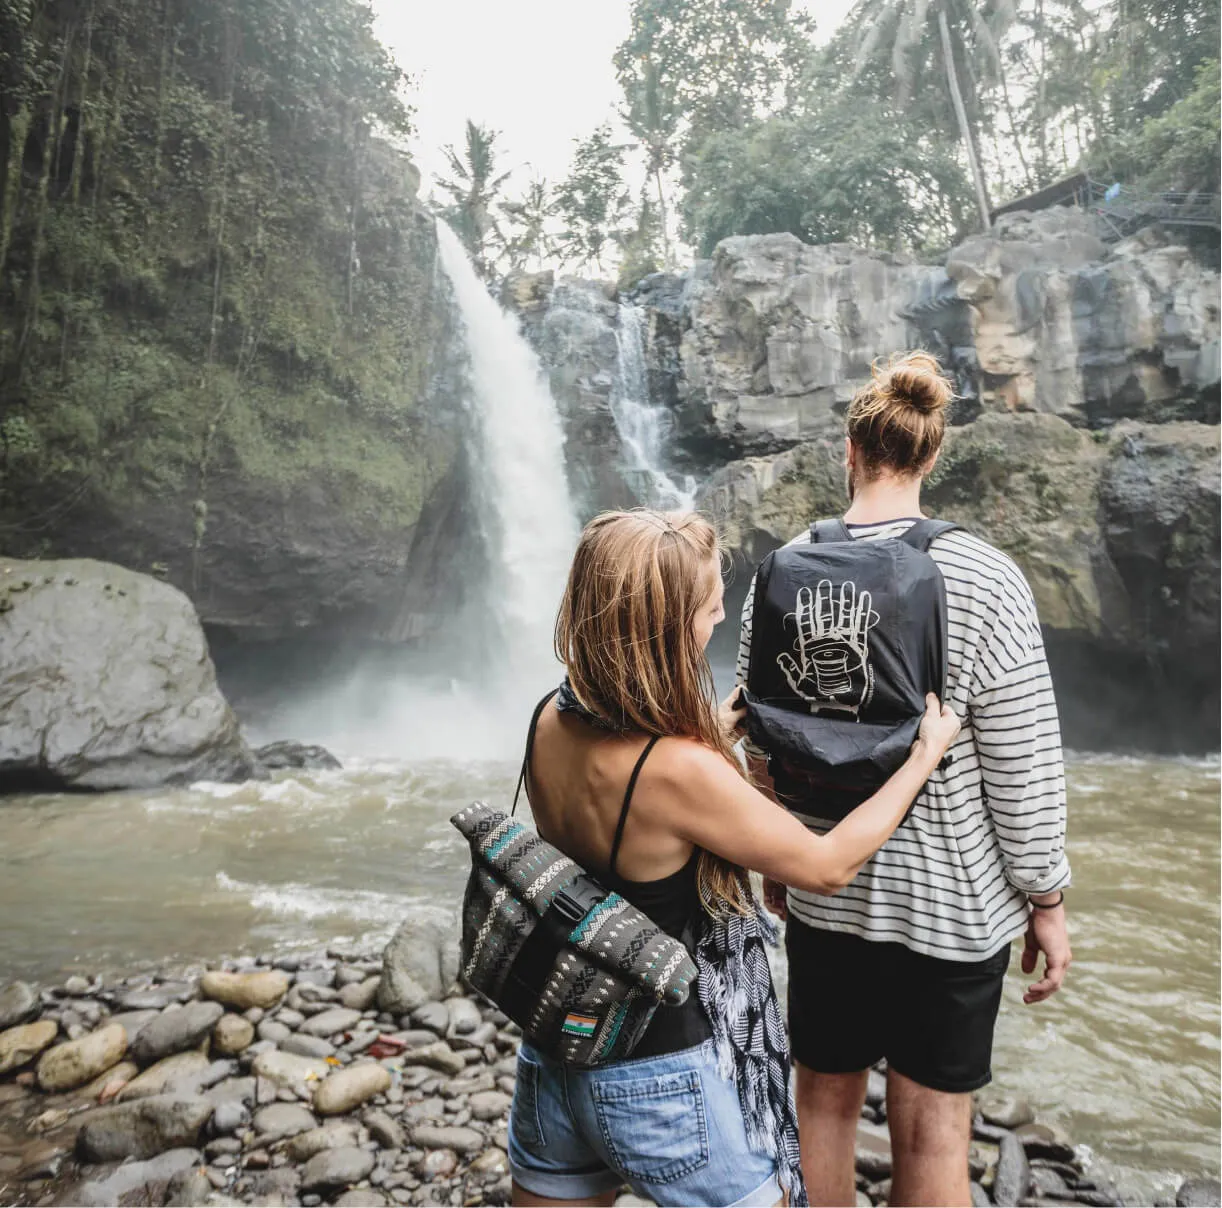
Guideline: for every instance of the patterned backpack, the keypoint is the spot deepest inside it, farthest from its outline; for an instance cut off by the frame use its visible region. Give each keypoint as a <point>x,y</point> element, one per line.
<point>575,965</point>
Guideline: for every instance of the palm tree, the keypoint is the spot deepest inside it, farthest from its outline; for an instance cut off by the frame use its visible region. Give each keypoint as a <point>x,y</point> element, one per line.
<point>528,218</point>
<point>976,27</point>
<point>472,187</point>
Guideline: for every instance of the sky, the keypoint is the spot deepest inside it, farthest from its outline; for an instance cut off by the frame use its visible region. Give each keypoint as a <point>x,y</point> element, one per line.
<point>539,71</point>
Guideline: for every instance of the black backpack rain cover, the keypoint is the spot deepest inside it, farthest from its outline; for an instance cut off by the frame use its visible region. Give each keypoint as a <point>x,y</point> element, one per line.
<point>847,637</point>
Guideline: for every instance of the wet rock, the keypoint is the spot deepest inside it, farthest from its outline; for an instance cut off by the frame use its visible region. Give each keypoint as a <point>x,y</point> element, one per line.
<point>142,1128</point>
<point>175,1029</point>
<point>43,1159</point>
<point>263,988</point>
<point>489,1105</point>
<point>1045,1141</point>
<point>1013,1176</point>
<point>132,1021</point>
<point>332,1135</point>
<point>420,962</point>
<point>1004,1111</point>
<point>160,1077</point>
<point>322,977</point>
<point>233,1090</point>
<point>151,1178</point>
<point>76,1062</point>
<point>278,755</point>
<point>432,1015</point>
<point>337,1019</point>
<point>335,1168</point>
<point>20,1045</point>
<point>873,1150</point>
<point>360,996</point>
<point>980,1197</point>
<point>90,704</point>
<point>288,1069</point>
<point>279,1120</point>
<point>438,1056</point>
<point>1199,1193</point>
<point>232,1034</point>
<point>383,1129</point>
<point>282,1183</point>
<point>348,1088</point>
<point>461,1140</point>
<point>158,997</point>
<point>18,1001</point>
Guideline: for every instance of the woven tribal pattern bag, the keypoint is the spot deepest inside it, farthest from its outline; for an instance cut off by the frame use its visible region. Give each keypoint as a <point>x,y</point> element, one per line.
<point>577,967</point>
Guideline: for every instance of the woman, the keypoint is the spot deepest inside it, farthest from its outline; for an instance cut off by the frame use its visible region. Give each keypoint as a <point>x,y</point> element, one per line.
<point>632,775</point>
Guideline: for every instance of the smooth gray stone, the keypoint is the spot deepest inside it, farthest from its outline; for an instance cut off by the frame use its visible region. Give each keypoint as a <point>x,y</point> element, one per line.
<point>1199,1192</point>
<point>228,1116</point>
<point>174,1030</point>
<point>279,1120</point>
<point>306,1045</point>
<point>332,1169</point>
<point>1013,1176</point>
<point>461,1140</point>
<point>156,998</point>
<point>142,1128</point>
<point>18,1002</point>
<point>142,1176</point>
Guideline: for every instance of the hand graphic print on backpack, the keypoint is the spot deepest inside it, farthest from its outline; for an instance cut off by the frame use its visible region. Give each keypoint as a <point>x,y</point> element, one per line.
<point>832,670</point>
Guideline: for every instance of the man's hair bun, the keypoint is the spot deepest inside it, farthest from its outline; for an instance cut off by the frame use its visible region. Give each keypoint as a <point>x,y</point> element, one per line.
<point>915,380</point>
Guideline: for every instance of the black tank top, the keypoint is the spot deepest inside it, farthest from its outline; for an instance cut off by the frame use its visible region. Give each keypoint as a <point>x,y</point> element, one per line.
<point>672,902</point>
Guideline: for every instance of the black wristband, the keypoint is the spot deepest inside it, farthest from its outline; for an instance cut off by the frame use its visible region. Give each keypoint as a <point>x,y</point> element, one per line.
<point>1048,905</point>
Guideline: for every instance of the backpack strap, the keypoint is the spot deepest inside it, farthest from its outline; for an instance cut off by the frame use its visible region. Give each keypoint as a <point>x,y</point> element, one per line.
<point>922,534</point>
<point>530,743</point>
<point>829,530</point>
<point>623,814</point>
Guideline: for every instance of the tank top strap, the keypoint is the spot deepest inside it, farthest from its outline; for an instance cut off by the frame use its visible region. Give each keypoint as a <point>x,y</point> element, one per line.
<point>623,814</point>
<point>530,745</point>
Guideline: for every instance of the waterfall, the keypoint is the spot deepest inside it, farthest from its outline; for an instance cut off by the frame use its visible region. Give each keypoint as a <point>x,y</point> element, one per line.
<point>642,427</point>
<point>530,526</point>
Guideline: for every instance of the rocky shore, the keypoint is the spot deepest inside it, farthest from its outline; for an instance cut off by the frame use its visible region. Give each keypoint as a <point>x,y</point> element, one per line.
<point>346,1077</point>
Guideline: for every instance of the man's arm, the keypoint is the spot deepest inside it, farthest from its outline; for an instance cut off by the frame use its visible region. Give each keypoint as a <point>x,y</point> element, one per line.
<point>1018,740</point>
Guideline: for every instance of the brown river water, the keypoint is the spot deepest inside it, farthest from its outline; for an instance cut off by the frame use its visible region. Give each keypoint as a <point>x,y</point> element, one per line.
<point>1126,1058</point>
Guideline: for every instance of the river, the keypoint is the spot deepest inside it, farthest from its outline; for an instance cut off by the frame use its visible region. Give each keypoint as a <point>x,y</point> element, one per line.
<point>1126,1057</point>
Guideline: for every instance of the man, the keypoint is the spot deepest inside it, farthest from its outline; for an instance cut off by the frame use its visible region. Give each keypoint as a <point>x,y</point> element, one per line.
<point>907,963</point>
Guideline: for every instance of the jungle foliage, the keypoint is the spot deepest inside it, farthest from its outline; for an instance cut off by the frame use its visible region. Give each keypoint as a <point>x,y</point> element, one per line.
<point>210,257</point>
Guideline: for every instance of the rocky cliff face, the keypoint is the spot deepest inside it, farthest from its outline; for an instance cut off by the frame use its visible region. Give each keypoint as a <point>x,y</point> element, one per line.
<point>1085,438</point>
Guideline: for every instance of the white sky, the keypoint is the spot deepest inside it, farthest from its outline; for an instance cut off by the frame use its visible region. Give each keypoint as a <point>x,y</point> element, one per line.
<point>539,71</point>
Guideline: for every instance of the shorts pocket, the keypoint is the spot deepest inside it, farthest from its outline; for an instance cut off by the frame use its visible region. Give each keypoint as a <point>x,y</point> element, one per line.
<point>654,1128</point>
<point>524,1120</point>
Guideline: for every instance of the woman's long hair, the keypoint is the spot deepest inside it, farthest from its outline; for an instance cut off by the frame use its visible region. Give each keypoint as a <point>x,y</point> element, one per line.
<point>626,635</point>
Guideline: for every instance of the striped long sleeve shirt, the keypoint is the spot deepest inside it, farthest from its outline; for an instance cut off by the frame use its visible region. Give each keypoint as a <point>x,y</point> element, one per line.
<point>953,881</point>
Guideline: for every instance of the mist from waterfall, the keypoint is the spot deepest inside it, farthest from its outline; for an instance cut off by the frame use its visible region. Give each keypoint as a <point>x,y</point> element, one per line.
<point>643,428</point>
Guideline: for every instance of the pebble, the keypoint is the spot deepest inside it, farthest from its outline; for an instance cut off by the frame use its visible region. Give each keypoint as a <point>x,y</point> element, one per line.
<point>244,990</point>
<point>316,977</point>
<point>175,1029</point>
<point>873,1150</point>
<point>436,1164</point>
<point>1013,1175</point>
<point>132,1021</point>
<point>385,1131</point>
<point>274,1031</point>
<point>432,1015</point>
<point>439,1056</point>
<point>332,1135</point>
<point>188,1188</point>
<point>289,1017</point>
<point>135,1180</point>
<point>280,1120</point>
<point>346,1089</point>
<point>232,1034</point>
<point>156,998</point>
<point>76,1062</point>
<point>21,1044</point>
<point>359,995</point>
<point>286,1070</point>
<point>142,1128</point>
<point>307,1046</point>
<point>464,1016</point>
<point>1004,1111</point>
<point>229,1116</point>
<point>489,1105</point>
<point>1045,1141</point>
<point>107,1085</point>
<point>1199,1193</point>
<point>330,1022</point>
<point>462,1140</point>
<point>336,1168</point>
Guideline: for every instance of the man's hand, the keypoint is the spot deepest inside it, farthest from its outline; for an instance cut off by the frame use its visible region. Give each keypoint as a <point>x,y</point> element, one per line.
<point>1046,933</point>
<point>775,898</point>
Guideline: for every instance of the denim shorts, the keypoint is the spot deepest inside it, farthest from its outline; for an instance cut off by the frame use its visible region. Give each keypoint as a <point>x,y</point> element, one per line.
<point>671,1127</point>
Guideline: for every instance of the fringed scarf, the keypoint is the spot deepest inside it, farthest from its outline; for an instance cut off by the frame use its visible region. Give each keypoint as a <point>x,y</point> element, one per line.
<point>736,991</point>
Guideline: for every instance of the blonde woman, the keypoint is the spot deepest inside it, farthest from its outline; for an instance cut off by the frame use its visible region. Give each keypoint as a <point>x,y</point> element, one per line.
<point>632,774</point>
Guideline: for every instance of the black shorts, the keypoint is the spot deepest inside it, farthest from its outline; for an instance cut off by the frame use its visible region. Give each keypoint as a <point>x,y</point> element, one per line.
<point>853,1001</point>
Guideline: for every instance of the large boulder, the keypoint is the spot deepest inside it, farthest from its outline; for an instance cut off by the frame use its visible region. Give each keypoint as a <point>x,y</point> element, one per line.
<point>420,963</point>
<point>107,683</point>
